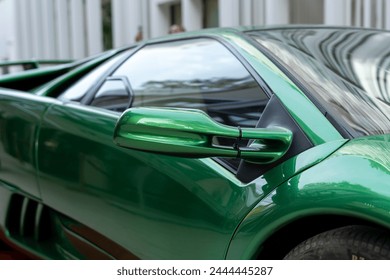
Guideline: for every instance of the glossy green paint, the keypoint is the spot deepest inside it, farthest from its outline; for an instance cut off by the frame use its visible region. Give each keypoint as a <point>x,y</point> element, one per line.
<point>353,182</point>
<point>20,117</point>
<point>143,201</point>
<point>154,205</point>
<point>166,207</point>
<point>57,247</point>
<point>190,133</point>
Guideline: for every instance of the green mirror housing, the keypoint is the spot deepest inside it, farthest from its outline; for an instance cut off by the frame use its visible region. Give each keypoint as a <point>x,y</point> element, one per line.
<point>191,133</point>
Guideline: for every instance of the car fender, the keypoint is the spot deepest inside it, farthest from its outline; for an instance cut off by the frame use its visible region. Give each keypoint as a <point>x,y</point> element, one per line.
<point>345,184</point>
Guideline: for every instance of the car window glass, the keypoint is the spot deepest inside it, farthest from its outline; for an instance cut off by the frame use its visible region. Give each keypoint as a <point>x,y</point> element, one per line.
<point>346,71</point>
<point>112,95</point>
<point>199,74</point>
<point>78,90</point>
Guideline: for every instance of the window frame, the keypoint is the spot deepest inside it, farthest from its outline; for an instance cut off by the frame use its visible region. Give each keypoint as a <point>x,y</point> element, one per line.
<point>127,86</point>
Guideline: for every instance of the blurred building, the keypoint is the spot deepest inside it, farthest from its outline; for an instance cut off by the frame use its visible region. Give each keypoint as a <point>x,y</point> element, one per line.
<point>7,25</point>
<point>71,29</point>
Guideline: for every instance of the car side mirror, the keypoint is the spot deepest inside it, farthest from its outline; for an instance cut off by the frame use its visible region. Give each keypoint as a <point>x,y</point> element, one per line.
<point>192,133</point>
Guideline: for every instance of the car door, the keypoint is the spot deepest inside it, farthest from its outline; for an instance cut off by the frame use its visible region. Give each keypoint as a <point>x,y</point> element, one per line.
<point>133,204</point>
<point>20,119</point>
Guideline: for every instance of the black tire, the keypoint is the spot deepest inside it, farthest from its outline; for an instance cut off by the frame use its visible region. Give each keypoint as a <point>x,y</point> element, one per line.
<point>346,243</point>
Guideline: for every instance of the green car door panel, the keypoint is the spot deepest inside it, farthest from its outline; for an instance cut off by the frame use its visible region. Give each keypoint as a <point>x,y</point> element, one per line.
<point>349,183</point>
<point>20,119</point>
<point>245,143</point>
<point>136,193</point>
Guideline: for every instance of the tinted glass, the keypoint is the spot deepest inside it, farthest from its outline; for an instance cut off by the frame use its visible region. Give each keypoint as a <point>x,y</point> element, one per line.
<point>347,71</point>
<point>199,74</point>
<point>113,95</point>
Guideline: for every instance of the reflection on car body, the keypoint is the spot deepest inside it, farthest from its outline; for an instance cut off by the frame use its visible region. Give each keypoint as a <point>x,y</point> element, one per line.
<point>243,143</point>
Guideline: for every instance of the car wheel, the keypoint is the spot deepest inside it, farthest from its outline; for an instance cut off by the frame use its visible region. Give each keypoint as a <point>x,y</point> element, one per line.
<point>346,243</point>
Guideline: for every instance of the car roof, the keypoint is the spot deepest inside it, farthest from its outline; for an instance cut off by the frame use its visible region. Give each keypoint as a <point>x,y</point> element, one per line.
<point>220,31</point>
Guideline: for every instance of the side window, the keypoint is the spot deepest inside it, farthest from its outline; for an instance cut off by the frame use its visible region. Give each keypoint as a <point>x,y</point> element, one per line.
<point>199,74</point>
<point>113,95</point>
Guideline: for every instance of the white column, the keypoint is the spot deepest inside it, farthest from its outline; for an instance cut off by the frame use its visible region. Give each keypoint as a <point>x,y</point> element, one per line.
<point>277,12</point>
<point>12,42</point>
<point>192,14</point>
<point>145,4</point>
<point>62,29</point>
<point>127,16</point>
<point>335,11</point>
<point>133,16</point>
<point>94,27</point>
<point>159,19</point>
<point>27,36</point>
<point>367,13</point>
<point>48,32</point>
<point>348,12</point>
<point>358,12</point>
<point>229,13</point>
<point>6,16</point>
<point>117,22</point>
<point>36,29</point>
<point>246,12</point>
<point>18,21</point>
<point>387,15</point>
<point>78,46</point>
<point>3,35</point>
<point>379,18</point>
<point>10,35</point>
<point>258,12</point>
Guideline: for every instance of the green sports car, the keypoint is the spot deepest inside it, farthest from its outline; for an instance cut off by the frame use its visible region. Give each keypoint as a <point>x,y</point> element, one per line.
<point>267,143</point>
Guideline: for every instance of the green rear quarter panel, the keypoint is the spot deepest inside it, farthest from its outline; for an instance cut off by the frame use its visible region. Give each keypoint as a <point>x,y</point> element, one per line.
<point>352,182</point>
<point>20,119</point>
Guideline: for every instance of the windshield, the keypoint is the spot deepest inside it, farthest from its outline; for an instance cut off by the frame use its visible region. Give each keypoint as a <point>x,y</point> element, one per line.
<point>346,70</point>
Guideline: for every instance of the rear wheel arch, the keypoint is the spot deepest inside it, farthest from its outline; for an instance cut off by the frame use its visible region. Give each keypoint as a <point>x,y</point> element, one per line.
<point>286,238</point>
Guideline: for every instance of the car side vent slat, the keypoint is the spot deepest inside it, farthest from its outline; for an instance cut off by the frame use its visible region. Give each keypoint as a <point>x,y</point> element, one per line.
<point>28,219</point>
<point>42,223</point>
<point>14,214</point>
